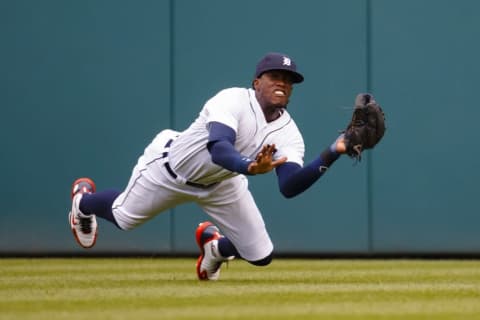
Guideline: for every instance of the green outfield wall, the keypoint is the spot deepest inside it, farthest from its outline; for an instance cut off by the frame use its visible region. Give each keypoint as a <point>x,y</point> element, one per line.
<point>85,86</point>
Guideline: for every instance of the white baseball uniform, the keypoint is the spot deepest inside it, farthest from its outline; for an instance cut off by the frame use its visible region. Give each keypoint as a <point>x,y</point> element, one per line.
<point>177,167</point>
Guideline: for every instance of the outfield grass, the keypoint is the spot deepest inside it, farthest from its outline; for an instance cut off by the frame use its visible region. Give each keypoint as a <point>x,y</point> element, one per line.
<point>157,288</point>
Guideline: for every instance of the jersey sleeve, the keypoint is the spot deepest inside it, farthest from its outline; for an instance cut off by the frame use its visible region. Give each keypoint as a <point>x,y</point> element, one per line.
<point>225,108</point>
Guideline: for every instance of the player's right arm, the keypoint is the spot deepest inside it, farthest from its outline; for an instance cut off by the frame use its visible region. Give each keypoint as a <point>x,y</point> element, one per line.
<point>264,160</point>
<point>221,140</point>
<point>220,144</point>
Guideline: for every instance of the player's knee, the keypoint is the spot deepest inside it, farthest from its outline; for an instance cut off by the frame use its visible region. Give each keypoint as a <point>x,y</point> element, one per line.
<point>263,262</point>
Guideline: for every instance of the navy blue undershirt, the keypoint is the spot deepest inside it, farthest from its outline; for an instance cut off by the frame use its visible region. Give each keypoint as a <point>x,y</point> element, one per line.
<point>293,179</point>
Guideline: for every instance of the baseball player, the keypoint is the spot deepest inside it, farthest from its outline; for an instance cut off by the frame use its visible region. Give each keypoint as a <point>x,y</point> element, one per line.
<point>239,132</point>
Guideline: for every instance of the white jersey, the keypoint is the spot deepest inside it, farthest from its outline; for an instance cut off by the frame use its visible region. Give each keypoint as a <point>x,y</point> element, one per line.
<point>159,180</point>
<point>239,109</point>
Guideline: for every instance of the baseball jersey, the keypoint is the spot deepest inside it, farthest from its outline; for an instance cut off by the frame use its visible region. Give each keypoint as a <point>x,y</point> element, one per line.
<point>239,109</point>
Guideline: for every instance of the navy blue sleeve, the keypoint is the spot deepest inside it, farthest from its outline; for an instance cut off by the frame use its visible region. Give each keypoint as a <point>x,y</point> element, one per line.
<point>293,179</point>
<point>221,140</point>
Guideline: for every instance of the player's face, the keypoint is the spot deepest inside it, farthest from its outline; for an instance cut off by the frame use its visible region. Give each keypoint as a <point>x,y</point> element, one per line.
<point>273,88</point>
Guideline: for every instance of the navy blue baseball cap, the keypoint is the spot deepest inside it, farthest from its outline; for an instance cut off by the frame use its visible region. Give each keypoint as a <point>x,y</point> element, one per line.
<point>278,61</point>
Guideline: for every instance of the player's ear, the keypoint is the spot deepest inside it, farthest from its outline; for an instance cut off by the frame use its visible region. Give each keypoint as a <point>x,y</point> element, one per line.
<point>255,83</point>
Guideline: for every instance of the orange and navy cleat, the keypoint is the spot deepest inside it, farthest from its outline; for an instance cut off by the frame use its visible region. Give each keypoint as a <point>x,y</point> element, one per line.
<point>210,260</point>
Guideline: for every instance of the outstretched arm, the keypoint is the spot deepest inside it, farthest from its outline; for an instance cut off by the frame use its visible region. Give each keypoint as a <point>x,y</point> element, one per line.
<point>294,179</point>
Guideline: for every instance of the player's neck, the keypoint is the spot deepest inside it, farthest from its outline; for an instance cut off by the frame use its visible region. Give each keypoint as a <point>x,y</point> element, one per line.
<point>272,113</point>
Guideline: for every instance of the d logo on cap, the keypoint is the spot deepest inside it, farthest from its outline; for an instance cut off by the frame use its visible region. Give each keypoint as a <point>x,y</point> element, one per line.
<point>278,61</point>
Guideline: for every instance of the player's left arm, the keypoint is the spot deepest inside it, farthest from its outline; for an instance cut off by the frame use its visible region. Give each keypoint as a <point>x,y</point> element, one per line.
<point>293,179</point>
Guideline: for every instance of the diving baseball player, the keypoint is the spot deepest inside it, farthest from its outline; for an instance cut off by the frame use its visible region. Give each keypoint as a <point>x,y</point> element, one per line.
<point>239,132</point>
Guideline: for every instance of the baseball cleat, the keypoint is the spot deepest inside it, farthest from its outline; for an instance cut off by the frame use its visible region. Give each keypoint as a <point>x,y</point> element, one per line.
<point>210,260</point>
<point>84,227</point>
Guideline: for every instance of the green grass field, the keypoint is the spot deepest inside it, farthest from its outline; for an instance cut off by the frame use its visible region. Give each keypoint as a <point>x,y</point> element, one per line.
<point>166,288</point>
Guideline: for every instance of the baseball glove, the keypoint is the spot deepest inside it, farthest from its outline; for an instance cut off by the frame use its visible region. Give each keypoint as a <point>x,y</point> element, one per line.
<point>366,128</point>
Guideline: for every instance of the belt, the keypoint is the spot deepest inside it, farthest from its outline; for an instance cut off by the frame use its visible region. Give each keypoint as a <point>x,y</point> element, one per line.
<point>175,176</point>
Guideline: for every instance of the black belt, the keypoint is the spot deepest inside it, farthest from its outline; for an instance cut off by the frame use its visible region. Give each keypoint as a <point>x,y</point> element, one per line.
<point>174,175</point>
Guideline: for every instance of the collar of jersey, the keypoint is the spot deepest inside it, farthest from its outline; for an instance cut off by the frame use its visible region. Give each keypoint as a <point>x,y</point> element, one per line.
<point>277,123</point>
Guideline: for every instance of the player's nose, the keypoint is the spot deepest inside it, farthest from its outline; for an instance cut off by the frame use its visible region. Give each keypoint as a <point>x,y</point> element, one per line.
<point>286,79</point>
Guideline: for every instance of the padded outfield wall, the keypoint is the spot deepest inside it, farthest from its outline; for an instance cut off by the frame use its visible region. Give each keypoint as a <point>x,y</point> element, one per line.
<point>85,85</point>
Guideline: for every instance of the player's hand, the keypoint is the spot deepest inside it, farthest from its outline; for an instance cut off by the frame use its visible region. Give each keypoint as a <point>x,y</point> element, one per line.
<point>339,144</point>
<point>264,161</point>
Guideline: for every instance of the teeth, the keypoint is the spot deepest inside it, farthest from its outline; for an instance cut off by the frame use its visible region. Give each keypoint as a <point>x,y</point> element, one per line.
<point>279,93</point>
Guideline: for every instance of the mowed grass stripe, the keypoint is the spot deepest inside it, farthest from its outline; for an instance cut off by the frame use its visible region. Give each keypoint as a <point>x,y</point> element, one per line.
<point>301,291</point>
<point>148,288</point>
<point>148,309</point>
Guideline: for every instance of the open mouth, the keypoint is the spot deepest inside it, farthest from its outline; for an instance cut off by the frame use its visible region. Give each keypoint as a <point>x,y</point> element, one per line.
<point>279,93</point>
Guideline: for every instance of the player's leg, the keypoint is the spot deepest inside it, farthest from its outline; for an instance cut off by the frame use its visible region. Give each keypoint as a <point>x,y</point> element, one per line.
<point>148,193</point>
<point>100,204</point>
<point>234,211</point>
<point>215,249</point>
<point>245,234</point>
<point>145,198</point>
<point>227,249</point>
<point>151,189</point>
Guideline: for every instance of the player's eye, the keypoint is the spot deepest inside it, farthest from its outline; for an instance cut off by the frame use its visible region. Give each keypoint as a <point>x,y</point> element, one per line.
<point>281,76</point>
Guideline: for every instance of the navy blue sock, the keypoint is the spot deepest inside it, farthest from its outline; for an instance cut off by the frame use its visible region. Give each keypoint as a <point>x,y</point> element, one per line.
<point>226,248</point>
<point>100,204</point>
